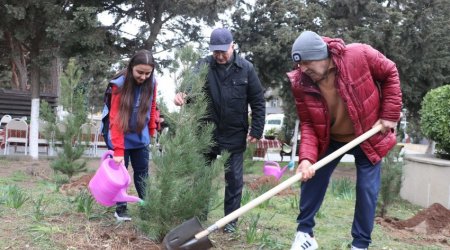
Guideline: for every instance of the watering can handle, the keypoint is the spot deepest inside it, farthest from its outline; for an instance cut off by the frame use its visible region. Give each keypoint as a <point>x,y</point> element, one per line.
<point>280,187</point>
<point>107,154</point>
<point>273,163</point>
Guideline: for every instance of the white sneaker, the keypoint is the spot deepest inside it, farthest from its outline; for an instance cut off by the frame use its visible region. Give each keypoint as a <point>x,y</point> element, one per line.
<point>357,248</point>
<point>304,242</point>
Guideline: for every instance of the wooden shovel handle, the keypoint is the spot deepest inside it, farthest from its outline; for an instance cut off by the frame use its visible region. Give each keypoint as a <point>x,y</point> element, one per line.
<point>294,144</point>
<point>280,187</point>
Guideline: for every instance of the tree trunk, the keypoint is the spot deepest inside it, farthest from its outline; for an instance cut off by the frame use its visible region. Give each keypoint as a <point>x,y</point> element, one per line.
<point>18,63</point>
<point>55,73</point>
<point>35,96</point>
<point>14,77</point>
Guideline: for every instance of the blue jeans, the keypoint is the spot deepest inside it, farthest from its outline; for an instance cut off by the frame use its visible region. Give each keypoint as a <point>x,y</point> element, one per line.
<point>139,158</point>
<point>367,188</point>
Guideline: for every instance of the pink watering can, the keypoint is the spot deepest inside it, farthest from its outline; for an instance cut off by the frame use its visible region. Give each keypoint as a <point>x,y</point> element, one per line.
<point>273,168</point>
<point>110,183</point>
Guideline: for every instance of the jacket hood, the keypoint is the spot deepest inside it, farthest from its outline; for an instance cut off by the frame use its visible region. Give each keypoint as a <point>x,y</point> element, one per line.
<point>336,46</point>
<point>119,81</point>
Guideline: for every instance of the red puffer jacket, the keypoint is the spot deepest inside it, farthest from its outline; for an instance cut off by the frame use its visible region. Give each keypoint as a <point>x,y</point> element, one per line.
<point>369,85</point>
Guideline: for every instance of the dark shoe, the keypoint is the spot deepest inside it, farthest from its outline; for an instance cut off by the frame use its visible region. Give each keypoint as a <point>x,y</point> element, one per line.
<point>230,228</point>
<point>204,215</point>
<point>121,214</point>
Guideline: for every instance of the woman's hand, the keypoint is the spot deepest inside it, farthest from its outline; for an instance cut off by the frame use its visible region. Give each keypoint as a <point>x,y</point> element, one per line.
<point>118,159</point>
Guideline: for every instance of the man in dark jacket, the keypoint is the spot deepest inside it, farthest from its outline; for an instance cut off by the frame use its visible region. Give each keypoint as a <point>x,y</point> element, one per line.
<point>342,91</point>
<point>232,85</point>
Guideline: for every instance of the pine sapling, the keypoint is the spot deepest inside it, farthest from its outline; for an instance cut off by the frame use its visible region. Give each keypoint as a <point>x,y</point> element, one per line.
<point>183,184</point>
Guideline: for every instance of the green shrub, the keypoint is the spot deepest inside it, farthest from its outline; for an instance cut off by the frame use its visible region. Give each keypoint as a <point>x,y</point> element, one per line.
<point>343,188</point>
<point>251,233</point>
<point>39,206</point>
<point>435,118</point>
<point>15,196</point>
<point>85,203</point>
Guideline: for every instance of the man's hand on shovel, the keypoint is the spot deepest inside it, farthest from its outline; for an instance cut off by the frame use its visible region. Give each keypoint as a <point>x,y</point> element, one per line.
<point>305,168</point>
<point>386,125</point>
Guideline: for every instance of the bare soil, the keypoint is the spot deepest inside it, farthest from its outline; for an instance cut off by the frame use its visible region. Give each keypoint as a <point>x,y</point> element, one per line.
<point>75,231</point>
<point>429,225</point>
<point>432,224</point>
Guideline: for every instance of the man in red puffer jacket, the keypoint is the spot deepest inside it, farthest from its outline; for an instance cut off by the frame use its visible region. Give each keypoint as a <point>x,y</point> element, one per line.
<point>342,91</point>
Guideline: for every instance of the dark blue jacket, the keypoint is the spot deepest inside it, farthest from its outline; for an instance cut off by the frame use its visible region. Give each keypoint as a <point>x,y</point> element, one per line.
<point>230,101</point>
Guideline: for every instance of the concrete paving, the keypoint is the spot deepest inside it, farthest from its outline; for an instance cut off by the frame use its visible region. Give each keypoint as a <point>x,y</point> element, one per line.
<point>272,154</point>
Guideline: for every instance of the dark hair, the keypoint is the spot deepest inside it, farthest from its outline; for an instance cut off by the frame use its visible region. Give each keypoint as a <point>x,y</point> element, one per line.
<point>127,93</point>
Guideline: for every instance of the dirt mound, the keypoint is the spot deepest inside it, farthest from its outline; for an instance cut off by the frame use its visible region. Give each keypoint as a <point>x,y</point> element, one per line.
<point>433,220</point>
<point>76,186</point>
<point>268,182</point>
<point>429,225</point>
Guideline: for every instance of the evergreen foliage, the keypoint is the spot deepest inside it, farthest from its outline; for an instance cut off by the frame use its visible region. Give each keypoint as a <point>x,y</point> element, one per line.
<point>67,133</point>
<point>182,186</point>
<point>435,118</point>
<point>391,180</point>
<point>413,34</point>
<point>180,22</point>
<point>38,36</point>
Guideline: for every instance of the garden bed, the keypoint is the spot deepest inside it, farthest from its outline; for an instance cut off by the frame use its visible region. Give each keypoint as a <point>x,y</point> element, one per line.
<point>272,224</point>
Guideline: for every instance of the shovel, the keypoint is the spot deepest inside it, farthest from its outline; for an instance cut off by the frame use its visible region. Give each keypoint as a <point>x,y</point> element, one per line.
<point>191,235</point>
<point>294,147</point>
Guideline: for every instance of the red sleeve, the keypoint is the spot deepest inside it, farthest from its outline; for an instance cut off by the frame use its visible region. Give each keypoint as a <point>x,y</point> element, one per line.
<point>385,72</point>
<point>309,143</point>
<point>152,122</point>
<point>117,136</point>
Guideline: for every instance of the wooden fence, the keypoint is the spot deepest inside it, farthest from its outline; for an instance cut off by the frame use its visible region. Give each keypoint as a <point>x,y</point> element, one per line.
<point>18,103</point>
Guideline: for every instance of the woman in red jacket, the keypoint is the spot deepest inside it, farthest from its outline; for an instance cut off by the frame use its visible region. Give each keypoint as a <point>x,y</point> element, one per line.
<point>342,91</point>
<point>131,120</point>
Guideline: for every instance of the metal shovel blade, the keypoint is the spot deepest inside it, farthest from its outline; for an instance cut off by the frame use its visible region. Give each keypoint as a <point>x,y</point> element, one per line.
<point>183,237</point>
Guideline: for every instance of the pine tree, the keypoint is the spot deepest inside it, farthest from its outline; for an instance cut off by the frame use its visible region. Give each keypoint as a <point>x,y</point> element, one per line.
<point>391,180</point>
<point>183,184</point>
<point>68,132</point>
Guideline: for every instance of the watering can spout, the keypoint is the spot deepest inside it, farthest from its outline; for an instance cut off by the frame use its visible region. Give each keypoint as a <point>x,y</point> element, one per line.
<point>291,165</point>
<point>122,196</point>
<point>272,168</point>
<point>283,170</point>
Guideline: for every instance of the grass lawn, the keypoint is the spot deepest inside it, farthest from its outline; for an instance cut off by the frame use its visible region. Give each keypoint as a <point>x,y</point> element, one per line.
<point>35,214</point>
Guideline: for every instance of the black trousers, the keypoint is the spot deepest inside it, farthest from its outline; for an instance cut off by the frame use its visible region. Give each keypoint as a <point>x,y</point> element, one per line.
<point>234,181</point>
<point>140,158</point>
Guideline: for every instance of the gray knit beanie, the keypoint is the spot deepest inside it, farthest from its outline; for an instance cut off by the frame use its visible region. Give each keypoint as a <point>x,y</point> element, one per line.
<point>309,47</point>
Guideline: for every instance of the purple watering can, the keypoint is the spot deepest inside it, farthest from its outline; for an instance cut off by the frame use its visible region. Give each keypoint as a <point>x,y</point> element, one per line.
<point>110,183</point>
<point>273,168</point>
